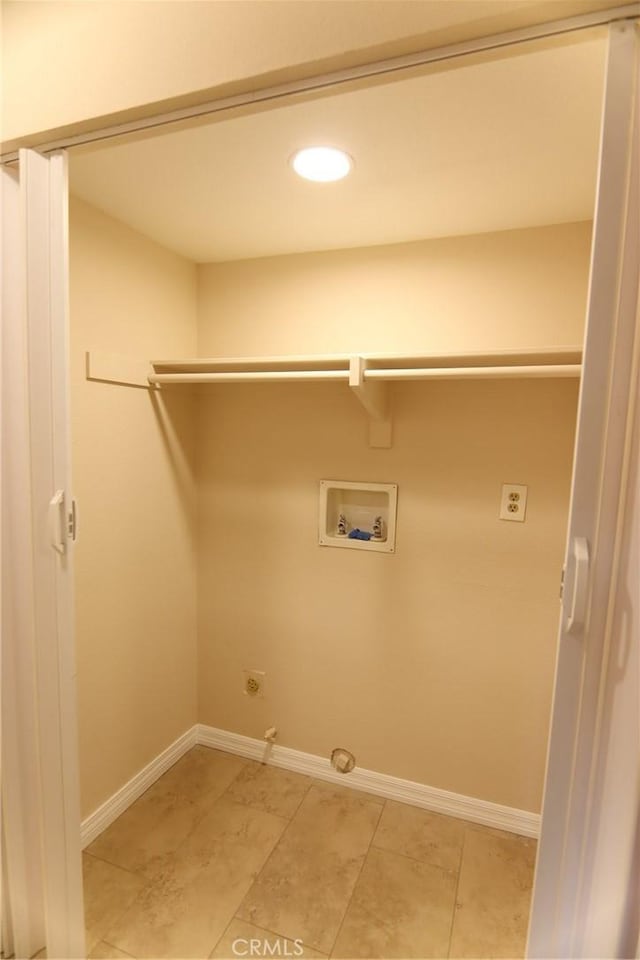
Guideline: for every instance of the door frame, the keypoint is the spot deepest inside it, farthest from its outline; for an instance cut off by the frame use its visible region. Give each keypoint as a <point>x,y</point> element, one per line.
<point>609,372</point>
<point>201,107</point>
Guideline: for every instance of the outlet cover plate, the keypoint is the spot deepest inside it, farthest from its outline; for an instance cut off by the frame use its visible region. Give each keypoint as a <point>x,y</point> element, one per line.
<point>513,503</point>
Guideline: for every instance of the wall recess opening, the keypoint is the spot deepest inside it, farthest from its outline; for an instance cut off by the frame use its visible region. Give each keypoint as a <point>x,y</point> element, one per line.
<point>361,516</point>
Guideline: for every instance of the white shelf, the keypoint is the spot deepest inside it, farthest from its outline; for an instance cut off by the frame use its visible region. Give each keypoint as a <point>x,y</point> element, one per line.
<point>366,374</point>
<point>339,364</point>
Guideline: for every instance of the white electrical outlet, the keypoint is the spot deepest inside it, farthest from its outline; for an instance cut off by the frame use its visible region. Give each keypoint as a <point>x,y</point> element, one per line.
<point>513,503</point>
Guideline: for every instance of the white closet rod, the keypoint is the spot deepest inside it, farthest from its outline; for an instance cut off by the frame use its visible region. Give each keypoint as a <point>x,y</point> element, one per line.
<point>249,376</point>
<point>476,373</point>
<point>417,373</point>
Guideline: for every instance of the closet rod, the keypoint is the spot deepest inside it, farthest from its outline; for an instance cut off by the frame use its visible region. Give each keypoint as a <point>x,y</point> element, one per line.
<point>249,376</point>
<point>418,373</point>
<point>535,371</point>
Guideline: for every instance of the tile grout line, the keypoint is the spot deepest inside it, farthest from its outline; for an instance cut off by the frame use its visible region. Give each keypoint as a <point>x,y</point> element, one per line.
<point>138,873</point>
<point>113,947</point>
<point>150,883</point>
<point>247,806</point>
<point>264,865</point>
<point>133,873</point>
<point>262,764</point>
<point>221,937</point>
<point>196,823</point>
<point>364,860</point>
<point>157,880</point>
<point>407,856</point>
<point>312,782</point>
<point>146,885</point>
<point>455,897</point>
<point>302,799</point>
<point>288,819</point>
<point>471,829</point>
<point>116,920</point>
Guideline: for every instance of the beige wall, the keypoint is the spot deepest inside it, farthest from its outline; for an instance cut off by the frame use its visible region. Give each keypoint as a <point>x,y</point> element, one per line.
<point>436,663</point>
<point>133,479</point>
<point>65,63</point>
<point>433,664</point>
<point>512,289</point>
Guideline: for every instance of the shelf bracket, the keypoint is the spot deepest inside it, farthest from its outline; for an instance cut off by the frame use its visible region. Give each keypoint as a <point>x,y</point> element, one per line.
<point>374,397</point>
<point>115,368</point>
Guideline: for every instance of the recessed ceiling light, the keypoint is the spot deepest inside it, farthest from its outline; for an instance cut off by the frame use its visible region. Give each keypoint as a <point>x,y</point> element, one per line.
<point>322,164</point>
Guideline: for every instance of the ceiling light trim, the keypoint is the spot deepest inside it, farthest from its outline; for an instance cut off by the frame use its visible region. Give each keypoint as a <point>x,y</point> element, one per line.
<point>322,163</point>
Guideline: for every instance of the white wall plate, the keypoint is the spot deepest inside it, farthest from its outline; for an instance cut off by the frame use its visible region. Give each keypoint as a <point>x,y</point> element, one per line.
<point>513,502</point>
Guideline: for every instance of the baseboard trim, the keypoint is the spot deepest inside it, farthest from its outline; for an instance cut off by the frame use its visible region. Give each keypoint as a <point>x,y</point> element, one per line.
<point>484,812</point>
<point>488,814</point>
<point>107,812</point>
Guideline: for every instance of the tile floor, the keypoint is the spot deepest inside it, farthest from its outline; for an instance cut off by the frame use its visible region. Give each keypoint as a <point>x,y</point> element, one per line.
<point>222,850</point>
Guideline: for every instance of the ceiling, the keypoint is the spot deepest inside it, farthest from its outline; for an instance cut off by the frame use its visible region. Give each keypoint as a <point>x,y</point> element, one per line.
<point>507,143</point>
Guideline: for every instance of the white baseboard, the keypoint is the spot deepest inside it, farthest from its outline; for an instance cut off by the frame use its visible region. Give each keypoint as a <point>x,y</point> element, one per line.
<point>107,812</point>
<point>489,814</point>
<point>381,784</point>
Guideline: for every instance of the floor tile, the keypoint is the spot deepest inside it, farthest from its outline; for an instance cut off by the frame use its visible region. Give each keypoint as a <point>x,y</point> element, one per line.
<point>304,890</point>
<point>337,788</point>
<point>153,827</point>
<point>494,893</point>
<point>186,911</point>
<point>245,940</point>
<point>104,951</point>
<point>201,772</point>
<point>108,892</point>
<point>417,833</point>
<point>400,908</point>
<point>269,788</point>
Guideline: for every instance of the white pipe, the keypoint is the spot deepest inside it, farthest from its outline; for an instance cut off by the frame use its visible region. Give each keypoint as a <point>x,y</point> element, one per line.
<point>476,373</point>
<point>249,376</point>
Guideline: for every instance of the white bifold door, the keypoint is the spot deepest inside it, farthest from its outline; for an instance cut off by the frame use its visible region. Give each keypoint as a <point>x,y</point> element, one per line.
<point>587,903</point>
<point>42,880</point>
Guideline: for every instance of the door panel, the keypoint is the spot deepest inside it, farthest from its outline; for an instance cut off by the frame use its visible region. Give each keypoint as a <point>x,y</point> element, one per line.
<point>23,911</point>
<point>597,502</point>
<point>37,588</point>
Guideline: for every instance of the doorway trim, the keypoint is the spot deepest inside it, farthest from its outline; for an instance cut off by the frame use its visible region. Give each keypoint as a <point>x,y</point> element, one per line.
<point>55,140</point>
<point>610,228</point>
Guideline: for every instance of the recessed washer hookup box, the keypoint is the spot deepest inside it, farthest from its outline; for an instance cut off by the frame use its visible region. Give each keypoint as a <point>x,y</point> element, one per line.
<point>358,515</point>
